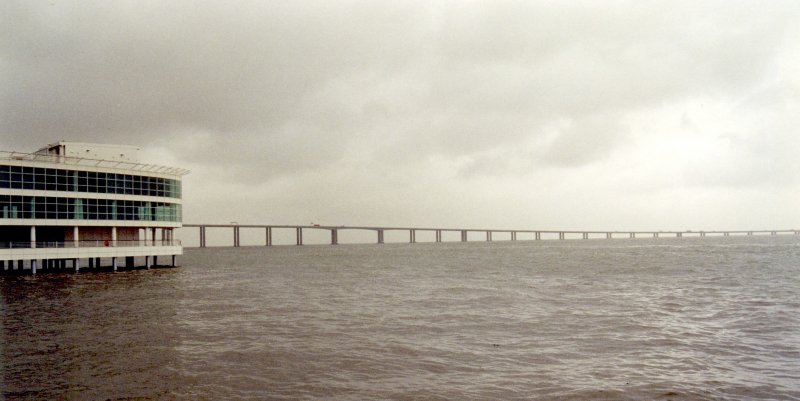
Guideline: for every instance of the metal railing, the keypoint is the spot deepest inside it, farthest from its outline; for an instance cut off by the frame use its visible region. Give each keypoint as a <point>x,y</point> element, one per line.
<point>88,244</point>
<point>81,161</point>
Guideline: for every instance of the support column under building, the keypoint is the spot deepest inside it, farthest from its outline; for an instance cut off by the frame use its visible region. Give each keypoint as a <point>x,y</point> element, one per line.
<point>114,263</point>
<point>76,264</point>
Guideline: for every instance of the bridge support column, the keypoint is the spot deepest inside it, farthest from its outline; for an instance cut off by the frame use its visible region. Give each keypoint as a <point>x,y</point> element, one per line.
<point>702,233</point>
<point>380,236</point>
<point>334,236</point>
<point>679,235</point>
<point>412,236</point>
<point>773,233</point>
<point>513,235</point>
<point>632,235</point>
<point>488,236</point>
<point>236,236</point>
<point>268,234</point>
<point>538,235</point>
<point>749,233</point>
<point>726,234</point>
<point>561,235</point>
<point>438,235</point>
<point>585,235</point>
<point>608,236</point>
<point>463,235</point>
<point>655,235</point>
<point>202,236</point>
<point>299,234</point>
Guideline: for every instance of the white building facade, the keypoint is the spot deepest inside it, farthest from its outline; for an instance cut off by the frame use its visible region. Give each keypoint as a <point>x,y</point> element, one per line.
<point>71,202</point>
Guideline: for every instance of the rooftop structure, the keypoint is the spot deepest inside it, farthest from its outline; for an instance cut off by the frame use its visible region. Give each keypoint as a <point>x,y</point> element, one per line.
<point>70,201</point>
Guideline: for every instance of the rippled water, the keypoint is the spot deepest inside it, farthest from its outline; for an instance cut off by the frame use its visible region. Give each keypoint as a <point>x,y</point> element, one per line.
<point>713,318</point>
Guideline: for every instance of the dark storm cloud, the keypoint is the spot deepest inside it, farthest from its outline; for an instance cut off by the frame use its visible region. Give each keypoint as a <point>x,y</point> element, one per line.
<point>310,97</point>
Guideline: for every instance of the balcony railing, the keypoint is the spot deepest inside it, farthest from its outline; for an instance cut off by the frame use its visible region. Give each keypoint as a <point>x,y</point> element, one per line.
<point>88,244</point>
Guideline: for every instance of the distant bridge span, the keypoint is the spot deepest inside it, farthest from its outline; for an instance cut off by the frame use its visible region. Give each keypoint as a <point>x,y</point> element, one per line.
<point>412,232</point>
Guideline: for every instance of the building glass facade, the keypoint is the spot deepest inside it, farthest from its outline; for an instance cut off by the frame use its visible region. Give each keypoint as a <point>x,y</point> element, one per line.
<point>53,179</point>
<point>62,208</point>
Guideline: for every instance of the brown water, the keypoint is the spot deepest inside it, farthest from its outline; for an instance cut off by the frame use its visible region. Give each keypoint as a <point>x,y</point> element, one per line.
<point>713,318</point>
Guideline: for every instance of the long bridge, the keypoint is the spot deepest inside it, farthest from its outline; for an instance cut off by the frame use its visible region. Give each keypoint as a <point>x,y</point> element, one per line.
<point>464,232</point>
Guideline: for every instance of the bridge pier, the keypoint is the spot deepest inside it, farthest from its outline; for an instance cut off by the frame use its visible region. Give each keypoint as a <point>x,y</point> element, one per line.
<point>655,235</point>
<point>463,235</point>
<point>380,236</point>
<point>608,236</point>
<point>412,236</point>
<point>513,235</point>
<point>299,235</point>
<point>438,235</point>
<point>202,236</point>
<point>585,236</point>
<point>334,236</point>
<point>488,236</point>
<point>561,235</point>
<point>268,234</point>
<point>632,235</point>
<point>235,236</point>
<point>679,235</point>
<point>538,235</point>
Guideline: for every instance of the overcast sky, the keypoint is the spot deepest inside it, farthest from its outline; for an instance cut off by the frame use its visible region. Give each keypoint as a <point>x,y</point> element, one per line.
<point>496,114</point>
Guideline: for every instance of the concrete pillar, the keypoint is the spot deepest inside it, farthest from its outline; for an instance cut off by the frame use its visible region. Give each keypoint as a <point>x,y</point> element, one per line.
<point>202,236</point>
<point>702,233</point>
<point>76,264</point>
<point>655,235</point>
<point>173,260</point>
<point>412,236</point>
<point>113,236</point>
<point>561,235</point>
<point>679,235</point>
<point>236,236</point>
<point>299,236</point>
<point>632,235</point>
<point>463,236</point>
<point>608,235</point>
<point>147,262</point>
<point>488,236</point>
<point>585,235</point>
<point>153,236</point>
<point>33,266</point>
<point>380,236</point>
<point>773,233</point>
<point>76,236</point>
<point>438,235</point>
<point>269,236</point>
<point>33,236</point>
<point>114,263</point>
<point>334,237</point>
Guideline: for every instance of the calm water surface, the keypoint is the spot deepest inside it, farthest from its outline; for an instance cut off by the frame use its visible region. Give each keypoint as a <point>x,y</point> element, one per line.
<point>680,319</point>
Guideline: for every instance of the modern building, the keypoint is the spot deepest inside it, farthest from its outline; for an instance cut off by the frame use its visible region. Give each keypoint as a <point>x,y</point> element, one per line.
<point>70,202</point>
